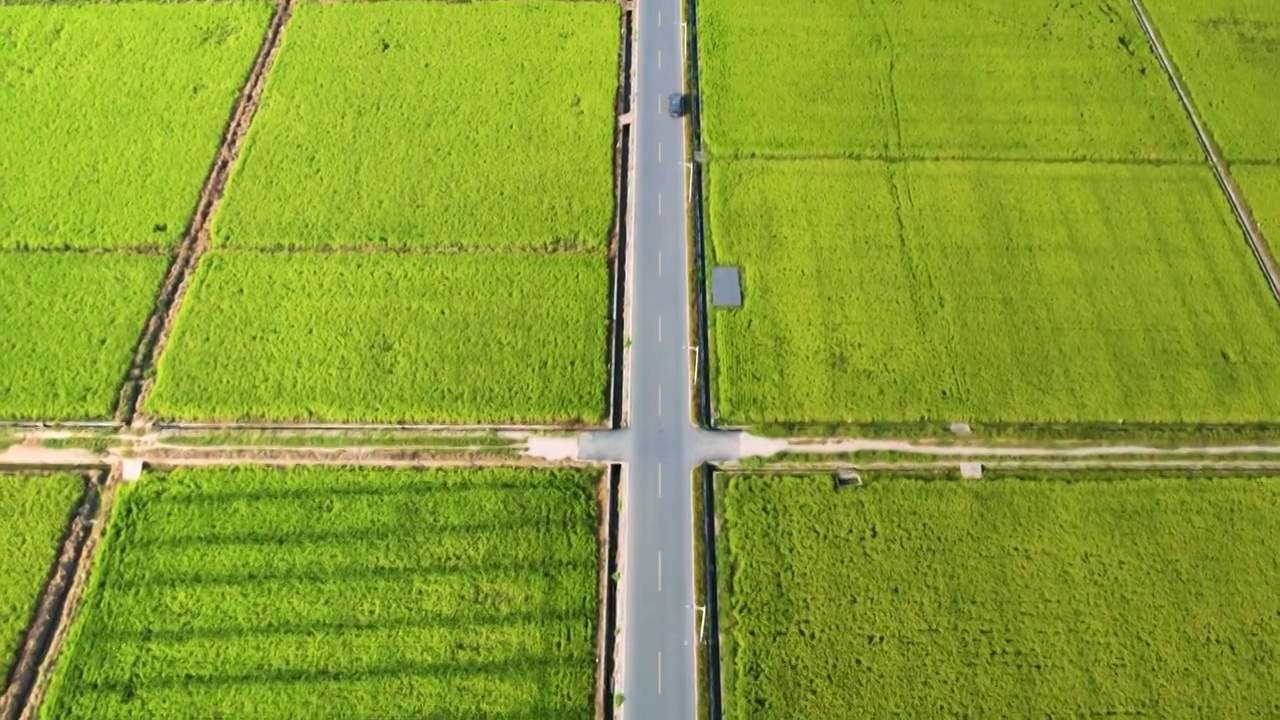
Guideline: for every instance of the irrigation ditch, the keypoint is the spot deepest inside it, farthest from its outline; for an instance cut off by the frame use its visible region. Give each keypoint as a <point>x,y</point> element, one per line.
<point>59,599</point>
<point>48,610</point>
<point>1252,233</point>
<point>710,687</point>
<point>155,334</point>
<point>619,366</point>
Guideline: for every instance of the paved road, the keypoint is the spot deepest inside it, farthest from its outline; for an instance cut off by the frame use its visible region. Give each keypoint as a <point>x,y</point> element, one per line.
<point>659,674</point>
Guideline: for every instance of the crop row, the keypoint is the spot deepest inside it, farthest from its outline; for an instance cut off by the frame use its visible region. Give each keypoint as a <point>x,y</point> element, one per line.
<point>339,593</point>
<point>1009,597</point>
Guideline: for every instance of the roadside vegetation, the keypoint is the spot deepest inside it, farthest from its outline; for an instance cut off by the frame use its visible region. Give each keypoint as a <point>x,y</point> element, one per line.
<point>1073,594</point>
<point>340,593</point>
<point>35,510</point>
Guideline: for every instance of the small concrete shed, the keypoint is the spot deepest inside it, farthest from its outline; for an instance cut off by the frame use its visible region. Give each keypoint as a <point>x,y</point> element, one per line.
<point>726,287</point>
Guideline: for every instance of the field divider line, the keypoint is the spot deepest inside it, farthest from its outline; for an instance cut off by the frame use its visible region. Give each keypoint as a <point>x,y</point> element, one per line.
<point>155,335</point>
<point>99,499</point>
<point>1238,204</point>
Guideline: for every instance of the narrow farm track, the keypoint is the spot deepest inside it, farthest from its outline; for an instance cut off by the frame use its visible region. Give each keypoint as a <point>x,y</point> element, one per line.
<point>155,334</point>
<point>1238,204</point>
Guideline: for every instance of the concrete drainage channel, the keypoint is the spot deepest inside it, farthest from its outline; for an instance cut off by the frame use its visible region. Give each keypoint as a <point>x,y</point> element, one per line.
<point>609,700</point>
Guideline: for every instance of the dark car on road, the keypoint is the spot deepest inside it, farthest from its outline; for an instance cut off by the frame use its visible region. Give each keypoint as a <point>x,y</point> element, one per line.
<point>676,104</point>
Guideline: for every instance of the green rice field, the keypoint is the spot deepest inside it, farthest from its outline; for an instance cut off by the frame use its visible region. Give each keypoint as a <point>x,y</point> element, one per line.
<point>992,212</point>
<point>114,113</point>
<point>36,510</point>
<point>433,125</point>
<point>1228,54</point>
<point>1032,597</point>
<point>320,593</point>
<point>69,323</point>
<point>389,338</point>
<point>1022,79</point>
<point>998,292</point>
<point>1261,187</point>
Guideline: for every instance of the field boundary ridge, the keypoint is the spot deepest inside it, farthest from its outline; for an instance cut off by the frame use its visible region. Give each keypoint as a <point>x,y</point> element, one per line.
<point>1014,432</point>
<point>155,334</point>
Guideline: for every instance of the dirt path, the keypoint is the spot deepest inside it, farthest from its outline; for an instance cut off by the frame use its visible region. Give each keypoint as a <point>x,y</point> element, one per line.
<point>156,332</point>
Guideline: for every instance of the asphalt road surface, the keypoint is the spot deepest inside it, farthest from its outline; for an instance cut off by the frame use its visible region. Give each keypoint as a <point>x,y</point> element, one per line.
<point>659,638</point>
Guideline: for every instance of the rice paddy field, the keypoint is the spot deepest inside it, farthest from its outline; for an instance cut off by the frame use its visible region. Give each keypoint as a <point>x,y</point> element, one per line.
<point>340,593</point>
<point>69,322</point>
<point>1228,54</point>
<point>1261,186</point>
<point>477,138</point>
<point>433,125</point>
<point>464,338</point>
<point>974,78</point>
<point>36,510</point>
<point>87,210</point>
<point>1145,307</point>
<point>417,229</point>
<point>120,108</point>
<point>1076,595</point>
<point>1026,233</point>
